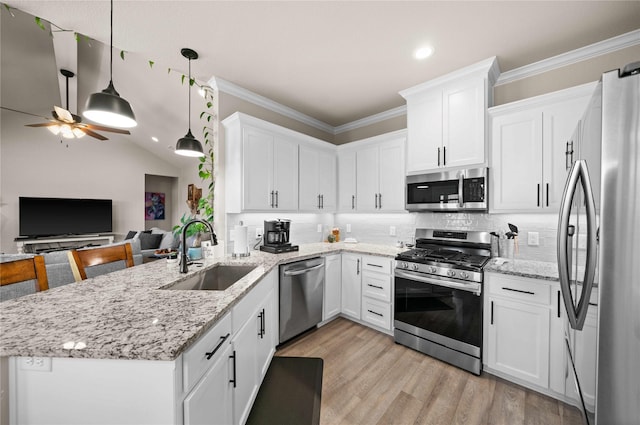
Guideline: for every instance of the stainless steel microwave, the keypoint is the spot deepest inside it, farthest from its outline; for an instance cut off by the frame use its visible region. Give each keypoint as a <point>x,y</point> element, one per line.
<point>459,190</point>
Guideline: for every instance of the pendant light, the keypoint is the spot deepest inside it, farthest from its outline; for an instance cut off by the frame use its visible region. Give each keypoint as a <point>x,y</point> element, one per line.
<point>189,145</point>
<point>107,107</point>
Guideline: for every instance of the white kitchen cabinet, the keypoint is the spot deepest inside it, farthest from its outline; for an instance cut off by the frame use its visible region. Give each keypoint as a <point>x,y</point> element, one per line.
<point>446,119</point>
<point>317,187</point>
<point>262,165</point>
<point>253,344</point>
<point>332,286</point>
<point>347,181</point>
<point>517,324</point>
<point>376,291</point>
<point>270,171</point>
<point>351,285</point>
<point>380,177</point>
<point>210,402</point>
<point>531,150</point>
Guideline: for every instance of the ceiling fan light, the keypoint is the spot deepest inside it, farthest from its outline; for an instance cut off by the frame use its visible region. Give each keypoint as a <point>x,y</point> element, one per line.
<point>189,146</point>
<point>78,133</point>
<point>55,129</point>
<point>108,108</point>
<point>66,131</point>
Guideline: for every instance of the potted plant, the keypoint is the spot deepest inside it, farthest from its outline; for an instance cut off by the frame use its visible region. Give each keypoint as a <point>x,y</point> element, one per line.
<point>193,235</point>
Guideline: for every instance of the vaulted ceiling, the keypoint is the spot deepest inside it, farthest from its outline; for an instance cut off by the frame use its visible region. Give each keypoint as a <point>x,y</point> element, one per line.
<point>335,61</point>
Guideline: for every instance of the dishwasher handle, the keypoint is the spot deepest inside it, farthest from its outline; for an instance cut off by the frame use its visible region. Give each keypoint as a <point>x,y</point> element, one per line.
<point>303,271</point>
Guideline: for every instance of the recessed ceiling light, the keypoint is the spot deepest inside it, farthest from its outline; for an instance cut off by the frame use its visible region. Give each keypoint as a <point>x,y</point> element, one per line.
<point>154,138</point>
<point>423,52</point>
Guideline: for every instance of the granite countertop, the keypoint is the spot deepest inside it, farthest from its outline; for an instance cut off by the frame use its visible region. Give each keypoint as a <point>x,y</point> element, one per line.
<point>525,268</point>
<point>126,315</point>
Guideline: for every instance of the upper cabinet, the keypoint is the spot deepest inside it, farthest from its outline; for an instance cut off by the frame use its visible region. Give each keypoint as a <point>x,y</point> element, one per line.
<point>272,168</point>
<point>371,174</point>
<point>317,179</point>
<point>532,150</point>
<point>446,119</point>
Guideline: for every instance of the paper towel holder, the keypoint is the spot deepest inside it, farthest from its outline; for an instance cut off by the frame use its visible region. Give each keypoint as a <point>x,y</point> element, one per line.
<point>245,252</point>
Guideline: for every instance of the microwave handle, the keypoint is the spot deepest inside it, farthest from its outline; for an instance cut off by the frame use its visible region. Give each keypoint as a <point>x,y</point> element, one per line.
<point>460,191</point>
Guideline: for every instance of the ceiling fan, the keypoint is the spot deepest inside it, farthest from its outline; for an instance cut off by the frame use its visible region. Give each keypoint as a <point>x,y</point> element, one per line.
<point>70,125</point>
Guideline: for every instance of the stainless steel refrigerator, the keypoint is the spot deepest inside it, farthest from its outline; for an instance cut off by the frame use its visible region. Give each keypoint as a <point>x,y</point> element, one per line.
<point>599,253</point>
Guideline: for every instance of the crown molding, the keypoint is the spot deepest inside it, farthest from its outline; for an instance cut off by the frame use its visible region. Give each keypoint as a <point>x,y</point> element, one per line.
<point>244,94</point>
<point>371,119</point>
<point>569,58</point>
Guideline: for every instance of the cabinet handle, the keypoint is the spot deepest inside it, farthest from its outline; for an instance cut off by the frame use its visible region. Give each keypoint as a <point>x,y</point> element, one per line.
<point>318,201</point>
<point>538,194</point>
<point>558,304</point>
<point>380,200</point>
<point>376,204</point>
<point>277,199</point>
<point>374,265</point>
<point>272,203</point>
<point>377,314</point>
<point>547,194</point>
<point>233,356</point>
<point>262,324</point>
<point>571,153</point>
<point>353,202</point>
<point>444,155</point>
<point>374,286</point>
<point>358,267</point>
<point>519,290</point>
<point>260,331</point>
<point>222,340</point>
<point>492,312</point>
<point>438,157</point>
<point>566,155</point>
<point>322,201</point>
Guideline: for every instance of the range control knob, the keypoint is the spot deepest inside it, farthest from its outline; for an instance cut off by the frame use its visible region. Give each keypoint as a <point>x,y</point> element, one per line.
<point>433,269</point>
<point>451,273</point>
<point>405,265</point>
<point>464,275</point>
<point>415,267</point>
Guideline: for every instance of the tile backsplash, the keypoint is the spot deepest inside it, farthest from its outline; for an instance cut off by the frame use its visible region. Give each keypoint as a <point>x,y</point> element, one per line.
<point>377,228</point>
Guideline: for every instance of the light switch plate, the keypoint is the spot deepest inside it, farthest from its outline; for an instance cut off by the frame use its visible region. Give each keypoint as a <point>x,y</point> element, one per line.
<point>319,228</point>
<point>392,230</point>
<point>258,232</point>
<point>348,228</point>
<point>533,239</point>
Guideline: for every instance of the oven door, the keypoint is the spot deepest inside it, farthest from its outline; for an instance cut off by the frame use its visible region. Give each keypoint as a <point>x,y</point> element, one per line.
<point>449,316</point>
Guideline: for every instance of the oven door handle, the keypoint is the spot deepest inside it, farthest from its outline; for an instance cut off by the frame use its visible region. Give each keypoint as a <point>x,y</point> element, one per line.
<point>472,287</point>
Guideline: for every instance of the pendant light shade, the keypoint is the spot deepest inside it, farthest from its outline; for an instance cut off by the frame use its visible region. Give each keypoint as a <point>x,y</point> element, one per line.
<point>107,107</point>
<point>189,145</point>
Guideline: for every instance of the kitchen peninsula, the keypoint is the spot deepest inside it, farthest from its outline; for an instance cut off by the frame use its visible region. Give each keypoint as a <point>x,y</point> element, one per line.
<point>122,337</point>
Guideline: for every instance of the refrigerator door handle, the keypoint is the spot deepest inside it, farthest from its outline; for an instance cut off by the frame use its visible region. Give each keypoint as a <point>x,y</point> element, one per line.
<point>578,174</point>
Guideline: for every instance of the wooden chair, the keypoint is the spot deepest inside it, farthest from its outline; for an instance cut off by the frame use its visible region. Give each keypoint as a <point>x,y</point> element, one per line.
<point>82,259</point>
<point>13,272</point>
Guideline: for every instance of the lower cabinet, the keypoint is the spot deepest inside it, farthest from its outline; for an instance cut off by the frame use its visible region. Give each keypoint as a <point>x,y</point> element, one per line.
<point>376,291</point>
<point>351,285</point>
<point>332,286</point>
<point>211,400</point>
<point>522,327</point>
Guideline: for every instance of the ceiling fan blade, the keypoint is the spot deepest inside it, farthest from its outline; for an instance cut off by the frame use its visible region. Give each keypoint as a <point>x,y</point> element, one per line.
<point>26,113</point>
<point>102,128</point>
<point>63,115</point>
<point>43,124</point>
<point>92,133</point>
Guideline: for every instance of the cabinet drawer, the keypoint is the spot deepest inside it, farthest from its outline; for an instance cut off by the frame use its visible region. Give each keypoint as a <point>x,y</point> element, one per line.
<point>194,360</point>
<point>519,288</point>
<point>376,312</point>
<point>376,285</point>
<point>376,264</point>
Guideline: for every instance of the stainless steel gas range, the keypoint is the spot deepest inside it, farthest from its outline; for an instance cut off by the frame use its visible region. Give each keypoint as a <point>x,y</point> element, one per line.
<point>438,295</point>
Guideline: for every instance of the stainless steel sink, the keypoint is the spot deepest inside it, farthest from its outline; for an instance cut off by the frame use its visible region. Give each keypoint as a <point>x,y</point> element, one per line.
<point>218,278</point>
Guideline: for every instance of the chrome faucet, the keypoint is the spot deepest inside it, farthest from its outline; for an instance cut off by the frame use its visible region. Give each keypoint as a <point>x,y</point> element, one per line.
<point>183,253</point>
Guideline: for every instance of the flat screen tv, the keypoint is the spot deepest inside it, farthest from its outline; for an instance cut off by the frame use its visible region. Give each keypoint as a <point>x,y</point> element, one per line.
<point>64,216</point>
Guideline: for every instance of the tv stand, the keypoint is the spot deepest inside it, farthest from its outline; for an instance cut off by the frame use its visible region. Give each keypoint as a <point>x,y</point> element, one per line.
<point>23,244</point>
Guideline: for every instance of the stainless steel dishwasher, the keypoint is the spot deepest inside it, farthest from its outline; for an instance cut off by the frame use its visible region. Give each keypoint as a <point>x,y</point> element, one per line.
<point>301,293</point>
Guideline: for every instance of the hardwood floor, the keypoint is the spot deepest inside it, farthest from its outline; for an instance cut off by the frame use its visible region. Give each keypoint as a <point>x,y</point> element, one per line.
<point>369,379</point>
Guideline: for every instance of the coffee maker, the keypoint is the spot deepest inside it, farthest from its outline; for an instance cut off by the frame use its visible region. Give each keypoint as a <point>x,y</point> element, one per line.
<point>276,237</point>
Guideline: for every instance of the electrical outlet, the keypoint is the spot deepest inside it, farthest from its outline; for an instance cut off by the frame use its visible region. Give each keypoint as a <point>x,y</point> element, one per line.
<point>258,232</point>
<point>348,228</point>
<point>533,239</point>
<point>41,364</point>
<point>319,228</point>
<point>392,230</point>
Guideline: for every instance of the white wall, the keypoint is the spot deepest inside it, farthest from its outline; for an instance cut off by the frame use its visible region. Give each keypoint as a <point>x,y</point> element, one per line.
<point>33,162</point>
